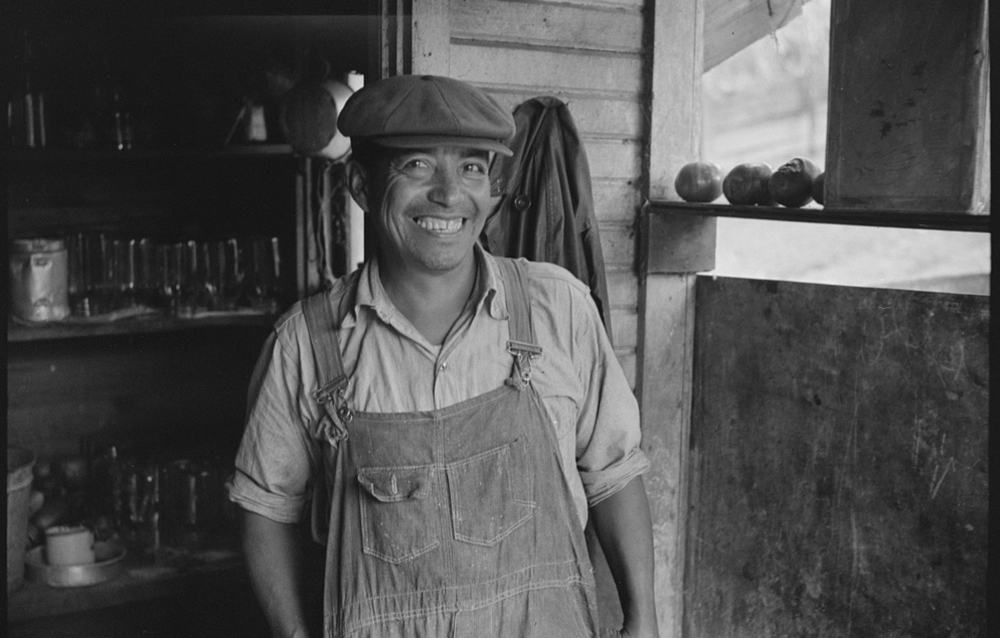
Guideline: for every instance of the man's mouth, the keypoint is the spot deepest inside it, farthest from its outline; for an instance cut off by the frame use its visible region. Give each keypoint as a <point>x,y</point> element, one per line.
<point>439,225</point>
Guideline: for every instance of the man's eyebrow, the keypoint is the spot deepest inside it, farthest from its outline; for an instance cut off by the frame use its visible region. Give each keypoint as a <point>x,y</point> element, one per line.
<point>404,152</point>
<point>475,152</point>
<point>464,152</point>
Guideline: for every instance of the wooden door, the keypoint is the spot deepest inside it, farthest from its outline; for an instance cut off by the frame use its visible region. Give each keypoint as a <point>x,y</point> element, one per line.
<point>839,462</point>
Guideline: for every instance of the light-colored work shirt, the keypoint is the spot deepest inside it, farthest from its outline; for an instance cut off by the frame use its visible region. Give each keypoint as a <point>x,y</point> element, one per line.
<point>393,368</point>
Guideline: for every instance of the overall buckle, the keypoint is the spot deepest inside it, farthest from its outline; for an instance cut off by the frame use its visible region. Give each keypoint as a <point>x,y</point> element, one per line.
<point>524,354</point>
<point>333,392</point>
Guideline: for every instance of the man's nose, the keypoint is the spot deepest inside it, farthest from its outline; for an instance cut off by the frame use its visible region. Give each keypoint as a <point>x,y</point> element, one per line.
<point>447,189</point>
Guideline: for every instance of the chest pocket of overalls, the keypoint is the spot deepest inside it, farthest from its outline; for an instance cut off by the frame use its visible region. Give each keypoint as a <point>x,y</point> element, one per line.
<point>398,512</point>
<point>491,494</point>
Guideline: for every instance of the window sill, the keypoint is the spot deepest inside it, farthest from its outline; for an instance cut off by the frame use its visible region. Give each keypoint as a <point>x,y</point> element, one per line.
<point>932,220</point>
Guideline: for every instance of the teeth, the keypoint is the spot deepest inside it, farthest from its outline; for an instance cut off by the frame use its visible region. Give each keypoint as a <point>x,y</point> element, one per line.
<point>439,225</point>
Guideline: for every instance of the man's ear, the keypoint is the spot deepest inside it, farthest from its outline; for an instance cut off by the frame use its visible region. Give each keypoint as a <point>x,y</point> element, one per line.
<point>357,183</point>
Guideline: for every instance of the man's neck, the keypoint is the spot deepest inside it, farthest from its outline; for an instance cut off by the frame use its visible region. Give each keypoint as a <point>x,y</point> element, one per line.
<point>432,302</point>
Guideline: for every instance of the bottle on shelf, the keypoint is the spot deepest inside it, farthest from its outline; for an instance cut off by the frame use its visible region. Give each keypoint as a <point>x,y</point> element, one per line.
<point>26,107</point>
<point>122,125</point>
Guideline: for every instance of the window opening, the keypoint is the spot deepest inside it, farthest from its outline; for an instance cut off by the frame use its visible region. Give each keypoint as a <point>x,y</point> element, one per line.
<point>768,103</point>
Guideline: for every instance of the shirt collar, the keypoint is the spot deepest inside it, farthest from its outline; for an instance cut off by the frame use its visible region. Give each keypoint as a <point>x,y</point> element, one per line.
<point>489,286</point>
<point>489,289</point>
<point>371,294</point>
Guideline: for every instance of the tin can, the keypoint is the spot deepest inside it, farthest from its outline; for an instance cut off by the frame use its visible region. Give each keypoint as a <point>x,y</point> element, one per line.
<point>39,277</point>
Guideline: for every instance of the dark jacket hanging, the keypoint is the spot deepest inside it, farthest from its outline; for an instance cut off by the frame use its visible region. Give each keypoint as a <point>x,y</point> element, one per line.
<point>547,210</point>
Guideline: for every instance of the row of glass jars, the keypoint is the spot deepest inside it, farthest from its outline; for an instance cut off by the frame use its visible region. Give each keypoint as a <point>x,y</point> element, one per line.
<point>184,279</point>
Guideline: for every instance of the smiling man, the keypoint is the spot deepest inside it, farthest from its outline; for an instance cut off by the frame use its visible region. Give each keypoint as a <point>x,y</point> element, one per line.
<point>452,418</point>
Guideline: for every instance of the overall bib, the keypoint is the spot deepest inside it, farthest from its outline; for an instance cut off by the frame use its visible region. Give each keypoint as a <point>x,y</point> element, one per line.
<point>451,523</point>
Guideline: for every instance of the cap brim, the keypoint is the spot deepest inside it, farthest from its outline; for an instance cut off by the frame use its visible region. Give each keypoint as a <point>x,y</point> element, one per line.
<point>428,141</point>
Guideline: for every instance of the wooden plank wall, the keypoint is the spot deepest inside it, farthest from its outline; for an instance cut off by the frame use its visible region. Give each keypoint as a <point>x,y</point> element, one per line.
<point>589,54</point>
<point>839,462</point>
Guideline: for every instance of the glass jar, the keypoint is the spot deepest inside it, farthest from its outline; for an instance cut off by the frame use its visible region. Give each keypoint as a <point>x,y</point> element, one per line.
<point>39,279</point>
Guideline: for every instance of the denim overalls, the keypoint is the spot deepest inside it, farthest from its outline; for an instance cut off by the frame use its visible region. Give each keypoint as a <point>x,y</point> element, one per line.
<point>451,523</point>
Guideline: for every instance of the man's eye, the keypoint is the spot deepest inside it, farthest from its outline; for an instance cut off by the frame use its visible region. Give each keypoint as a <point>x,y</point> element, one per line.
<point>416,164</point>
<point>475,168</point>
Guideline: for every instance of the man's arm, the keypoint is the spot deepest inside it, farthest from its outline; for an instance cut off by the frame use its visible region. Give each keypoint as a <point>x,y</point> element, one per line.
<point>274,559</point>
<point>624,528</point>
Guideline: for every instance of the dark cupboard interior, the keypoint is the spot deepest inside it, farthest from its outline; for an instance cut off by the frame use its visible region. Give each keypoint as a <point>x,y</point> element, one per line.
<point>148,134</point>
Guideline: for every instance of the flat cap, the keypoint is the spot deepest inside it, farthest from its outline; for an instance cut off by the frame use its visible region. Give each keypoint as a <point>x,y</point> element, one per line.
<point>417,111</point>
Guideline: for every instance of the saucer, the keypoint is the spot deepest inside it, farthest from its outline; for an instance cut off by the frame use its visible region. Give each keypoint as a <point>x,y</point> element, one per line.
<point>108,564</point>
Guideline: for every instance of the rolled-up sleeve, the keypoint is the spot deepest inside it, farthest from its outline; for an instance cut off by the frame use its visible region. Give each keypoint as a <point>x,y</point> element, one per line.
<point>608,432</point>
<point>277,457</point>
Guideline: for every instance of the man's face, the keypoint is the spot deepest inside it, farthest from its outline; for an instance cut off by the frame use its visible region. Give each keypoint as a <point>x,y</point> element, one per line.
<point>429,207</point>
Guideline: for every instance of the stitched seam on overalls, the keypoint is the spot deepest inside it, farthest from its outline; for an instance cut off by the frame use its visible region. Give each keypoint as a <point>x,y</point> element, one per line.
<point>453,410</point>
<point>401,559</point>
<point>423,612</point>
<point>437,466</point>
<point>485,583</point>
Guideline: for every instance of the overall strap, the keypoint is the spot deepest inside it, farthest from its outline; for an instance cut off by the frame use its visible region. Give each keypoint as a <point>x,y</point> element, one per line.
<point>522,342</point>
<point>321,325</point>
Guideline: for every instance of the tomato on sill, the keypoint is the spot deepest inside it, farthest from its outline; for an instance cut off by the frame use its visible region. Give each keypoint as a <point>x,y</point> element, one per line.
<point>699,182</point>
<point>818,189</point>
<point>792,184</point>
<point>747,184</point>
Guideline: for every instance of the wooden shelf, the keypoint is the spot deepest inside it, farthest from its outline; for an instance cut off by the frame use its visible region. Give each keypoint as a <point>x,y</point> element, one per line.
<point>45,155</point>
<point>144,579</point>
<point>137,325</point>
<point>931,220</point>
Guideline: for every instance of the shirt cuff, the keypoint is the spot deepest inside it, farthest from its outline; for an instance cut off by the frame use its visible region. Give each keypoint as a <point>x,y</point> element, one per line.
<point>243,491</point>
<point>601,484</point>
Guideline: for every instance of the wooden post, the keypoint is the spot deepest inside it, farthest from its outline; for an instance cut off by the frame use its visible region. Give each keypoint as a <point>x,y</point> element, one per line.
<point>389,37</point>
<point>303,229</point>
<point>432,37</point>
<point>672,249</point>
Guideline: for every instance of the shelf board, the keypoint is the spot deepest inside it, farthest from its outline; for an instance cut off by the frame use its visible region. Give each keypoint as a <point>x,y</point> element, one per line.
<point>30,156</point>
<point>931,220</point>
<point>143,580</point>
<point>138,325</point>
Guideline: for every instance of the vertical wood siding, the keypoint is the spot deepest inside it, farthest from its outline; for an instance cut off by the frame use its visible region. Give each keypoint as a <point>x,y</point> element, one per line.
<point>590,55</point>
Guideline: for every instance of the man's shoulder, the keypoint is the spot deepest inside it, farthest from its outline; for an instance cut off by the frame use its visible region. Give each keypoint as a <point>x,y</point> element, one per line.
<point>552,277</point>
<point>339,295</point>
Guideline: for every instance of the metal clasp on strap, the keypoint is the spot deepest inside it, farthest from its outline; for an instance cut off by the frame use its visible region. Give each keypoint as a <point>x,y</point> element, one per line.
<point>333,392</point>
<point>524,354</point>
